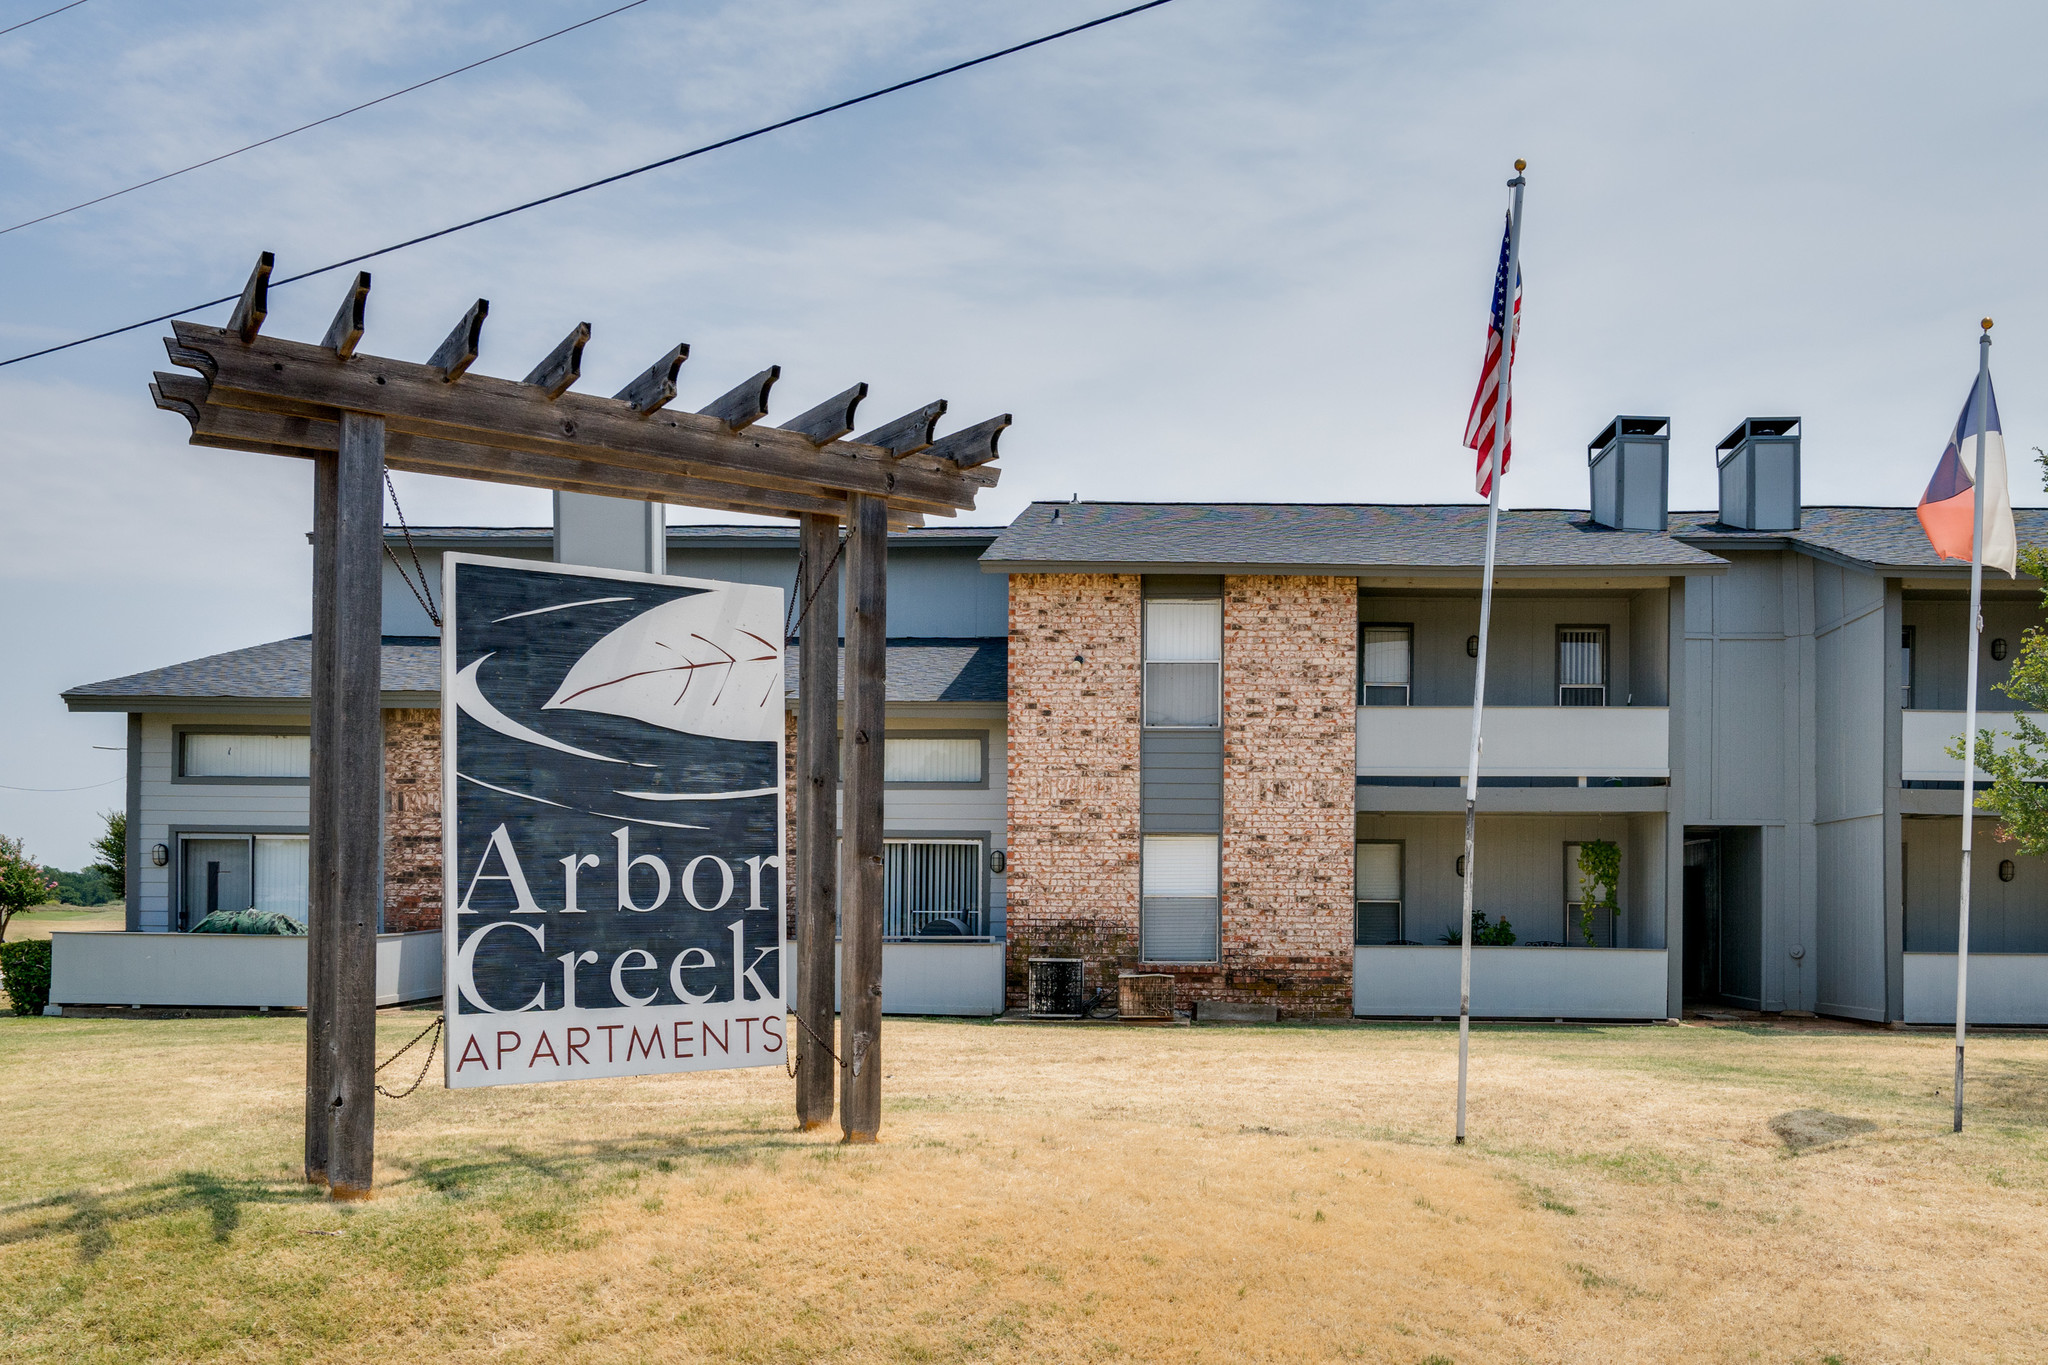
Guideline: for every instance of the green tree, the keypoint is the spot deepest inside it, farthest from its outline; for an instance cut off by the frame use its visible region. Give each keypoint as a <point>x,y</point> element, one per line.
<point>1600,877</point>
<point>22,883</point>
<point>112,847</point>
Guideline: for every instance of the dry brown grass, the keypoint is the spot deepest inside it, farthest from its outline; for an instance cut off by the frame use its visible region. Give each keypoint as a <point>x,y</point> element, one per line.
<point>1047,1193</point>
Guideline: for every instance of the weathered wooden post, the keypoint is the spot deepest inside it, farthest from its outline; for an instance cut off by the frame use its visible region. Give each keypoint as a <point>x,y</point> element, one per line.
<point>817,814</point>
<point>320,907</point>
<point>354,781</point>
<point>860,879</point>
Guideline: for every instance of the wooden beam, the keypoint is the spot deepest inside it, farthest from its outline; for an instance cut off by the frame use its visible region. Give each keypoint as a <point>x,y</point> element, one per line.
<point>830,420</point>
<point>169,402</point>
<point>502,413</point>
<point>817,812</point>
<point>186,358</point>
<point>307,436</point>
<point>909,433</point>
<point>563,366</point>
<point>320,910</point>
<point>860,867</point>
<point>247,319</point>
<point>454,356</point>
<point>655,388</point>
<point>971,446</point>
<point>347,328</point>
<point>746,404</point>
<point>354,776</point>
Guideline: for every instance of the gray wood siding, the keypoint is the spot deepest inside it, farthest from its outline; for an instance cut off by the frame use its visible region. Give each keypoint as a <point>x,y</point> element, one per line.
<point>1181,781</point>
<point>1846,957</point>
<point>166,805</point>
<point>1940,631</point>
<point>1521,871</point>
<point>1521,648</point>
<point>2005,917</point>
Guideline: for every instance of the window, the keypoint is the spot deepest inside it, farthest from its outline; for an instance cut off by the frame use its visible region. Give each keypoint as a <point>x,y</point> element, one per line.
<point>1179,910</point>
<point>1378,877</point>
<point>1574,935</point>
<point>242,872</point>
<point>1184,664</point>
<point>1582,666</point>
<point>1906,668</point>
<point>932,888</point>
<point>1385,664</point>
<point>934,760</point>
<point>222,755</point>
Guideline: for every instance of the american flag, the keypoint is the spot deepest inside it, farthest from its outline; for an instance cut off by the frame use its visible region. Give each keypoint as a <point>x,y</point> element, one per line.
<point>1485,426</point>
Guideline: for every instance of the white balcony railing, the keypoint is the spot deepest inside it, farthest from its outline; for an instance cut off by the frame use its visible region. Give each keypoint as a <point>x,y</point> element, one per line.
<point>1926,735</point>
<point>1521,741</point>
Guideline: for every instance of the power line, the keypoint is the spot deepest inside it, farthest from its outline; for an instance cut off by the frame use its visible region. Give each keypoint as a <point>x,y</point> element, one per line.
<point>607,180</point>
<point>40,17</point>
<point>88,786</point>
<point>279,137</point>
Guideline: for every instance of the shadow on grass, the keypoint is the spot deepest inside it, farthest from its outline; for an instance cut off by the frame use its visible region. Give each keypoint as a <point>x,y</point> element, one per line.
<point>92,1216</point>
<point>560,1173</point>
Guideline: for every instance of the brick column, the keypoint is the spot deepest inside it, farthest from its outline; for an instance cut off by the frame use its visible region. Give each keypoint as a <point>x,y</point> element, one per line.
<point>1290,726</point>
<point>412,820</point>
<point>1073,772</point>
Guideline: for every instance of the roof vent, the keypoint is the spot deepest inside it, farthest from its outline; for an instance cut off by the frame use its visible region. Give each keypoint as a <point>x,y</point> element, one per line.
<point>1759,463</point>
<point>1630,461</point>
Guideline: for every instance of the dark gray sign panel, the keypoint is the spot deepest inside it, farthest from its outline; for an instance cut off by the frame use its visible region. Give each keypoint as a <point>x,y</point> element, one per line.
<point>613,845</point>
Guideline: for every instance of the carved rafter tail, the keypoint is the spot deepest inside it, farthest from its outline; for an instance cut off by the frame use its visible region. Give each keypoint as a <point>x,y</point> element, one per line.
<point>455,355</point>
<point>909,433</point>
<point>563,366</point>
<point>655,387</point>
<point>189,411</point>
<point>347,328</point>
<point>972,446</point>
<point>187,358</point>
<point>746,404</point>
<point>247,319</point>
<point>831,419</point>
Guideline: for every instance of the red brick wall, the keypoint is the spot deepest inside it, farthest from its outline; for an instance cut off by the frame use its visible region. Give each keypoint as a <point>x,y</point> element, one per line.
<point>1073,773</point>
<point>412,820</point>
<point>1290,726</point>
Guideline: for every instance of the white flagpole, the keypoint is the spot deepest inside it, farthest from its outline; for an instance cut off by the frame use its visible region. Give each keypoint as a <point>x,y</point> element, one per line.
<point>1970,714</point>
<point>1510,324</point>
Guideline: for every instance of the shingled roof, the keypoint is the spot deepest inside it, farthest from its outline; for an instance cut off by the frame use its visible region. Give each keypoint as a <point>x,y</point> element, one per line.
<point>279,675</point>
<point>1339,538</point>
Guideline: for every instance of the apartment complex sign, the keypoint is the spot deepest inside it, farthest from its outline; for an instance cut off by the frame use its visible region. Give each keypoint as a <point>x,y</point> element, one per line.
<point>612,814</point>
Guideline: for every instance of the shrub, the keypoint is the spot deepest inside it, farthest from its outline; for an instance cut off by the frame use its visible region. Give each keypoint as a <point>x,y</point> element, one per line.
<point>22,883</point>
<point>1499,935</point>
<point>25,974</point>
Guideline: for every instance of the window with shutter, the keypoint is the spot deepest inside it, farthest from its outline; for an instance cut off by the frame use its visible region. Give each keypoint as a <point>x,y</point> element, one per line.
<point>1582,666</point>
<point>1385,664</point>
<point>1378,900</point>
<point>1183,664</point>
<point>1180,907</point>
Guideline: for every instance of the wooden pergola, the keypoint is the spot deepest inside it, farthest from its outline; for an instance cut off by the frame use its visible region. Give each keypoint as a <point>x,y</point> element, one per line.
<point>356,415</point>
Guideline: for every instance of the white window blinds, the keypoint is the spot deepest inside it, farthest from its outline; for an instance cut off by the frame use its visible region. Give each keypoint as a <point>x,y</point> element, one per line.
<point>245,755</point>
<point>281,879</point>
<point>932,888</point>
<point>923,758</point>
<point>1180,865</point>
<point>1384,664</point>
<point>1582,666</point>
<point>1379,872</point>
<point>1179,917</point>
<point>1184,664</point>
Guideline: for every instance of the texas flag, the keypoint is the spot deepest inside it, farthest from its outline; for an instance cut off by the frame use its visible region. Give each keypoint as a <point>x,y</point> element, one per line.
<point>1947,509</point>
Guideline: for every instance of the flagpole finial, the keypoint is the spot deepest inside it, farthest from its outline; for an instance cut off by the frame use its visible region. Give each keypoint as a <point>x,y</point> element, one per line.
<point>1987,324</point>
<point>1520,165</point>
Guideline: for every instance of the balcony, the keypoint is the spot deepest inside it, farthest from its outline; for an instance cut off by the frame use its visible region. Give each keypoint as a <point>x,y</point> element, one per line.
<point>1408,742</point>
<point>1925,738</point>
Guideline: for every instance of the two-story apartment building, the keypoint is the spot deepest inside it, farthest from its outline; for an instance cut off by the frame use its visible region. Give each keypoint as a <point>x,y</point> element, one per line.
<point>1238,734</point>
<point>1225,742</point>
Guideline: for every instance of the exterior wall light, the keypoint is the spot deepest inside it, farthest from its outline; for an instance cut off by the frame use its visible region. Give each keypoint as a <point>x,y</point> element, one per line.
<point>1998,648</point>
<point>997,861</point>
<point>160,854</point>
<point>2006,871</point>
<point>1461,864</point>
<point>1471,646</point>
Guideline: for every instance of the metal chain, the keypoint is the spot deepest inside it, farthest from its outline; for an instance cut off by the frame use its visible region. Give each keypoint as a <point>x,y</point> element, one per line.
<point>814,1038</point>
<point>427,601</point>
<point>791,627</point>
<point>434,1028</point>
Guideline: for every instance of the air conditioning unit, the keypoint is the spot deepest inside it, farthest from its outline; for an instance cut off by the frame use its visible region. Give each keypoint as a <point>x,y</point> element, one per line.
<point>1144,995</point>
<point>1054,987</point>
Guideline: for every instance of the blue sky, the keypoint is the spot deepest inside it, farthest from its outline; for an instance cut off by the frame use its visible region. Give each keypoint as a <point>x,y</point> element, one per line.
<point>1220,250</point>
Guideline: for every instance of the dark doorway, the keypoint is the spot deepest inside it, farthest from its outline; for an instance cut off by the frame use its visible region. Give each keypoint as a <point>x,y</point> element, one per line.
<point>1724,917</point>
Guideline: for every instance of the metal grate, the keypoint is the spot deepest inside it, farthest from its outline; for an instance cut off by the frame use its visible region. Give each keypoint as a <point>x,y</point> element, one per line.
<point>1144,995</point>
<point>1054,987</point>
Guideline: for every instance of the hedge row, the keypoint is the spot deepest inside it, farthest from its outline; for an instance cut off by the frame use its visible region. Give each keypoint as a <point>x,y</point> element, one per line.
<point>25,974</point>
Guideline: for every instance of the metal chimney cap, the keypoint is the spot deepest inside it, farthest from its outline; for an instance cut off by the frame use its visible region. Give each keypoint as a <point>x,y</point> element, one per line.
<point>1627,426</point>
<point>1759,426</point>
